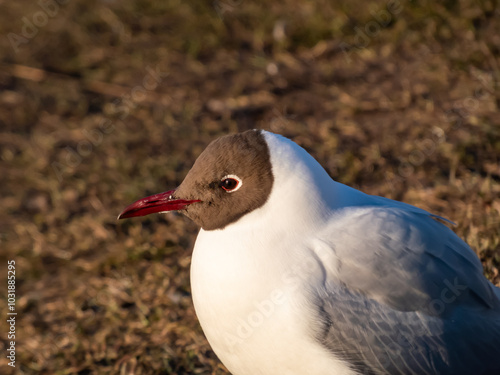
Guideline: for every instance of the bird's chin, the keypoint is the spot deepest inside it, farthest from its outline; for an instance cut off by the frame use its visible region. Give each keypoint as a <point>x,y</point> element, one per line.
<point>191,212</point>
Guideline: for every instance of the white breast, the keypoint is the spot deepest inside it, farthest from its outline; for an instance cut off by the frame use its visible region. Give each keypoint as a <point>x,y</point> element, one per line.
<point>252,312</point>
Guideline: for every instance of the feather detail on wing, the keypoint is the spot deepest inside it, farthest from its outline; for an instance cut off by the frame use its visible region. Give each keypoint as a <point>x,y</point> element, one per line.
<point>404,259</point>
<point>402,294</point>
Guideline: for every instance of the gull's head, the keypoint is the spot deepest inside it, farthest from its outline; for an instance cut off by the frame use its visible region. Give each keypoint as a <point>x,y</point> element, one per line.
<point>232,177</point>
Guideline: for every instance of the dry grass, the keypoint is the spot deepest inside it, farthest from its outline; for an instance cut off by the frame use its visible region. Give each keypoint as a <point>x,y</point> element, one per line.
<point>85,128</point>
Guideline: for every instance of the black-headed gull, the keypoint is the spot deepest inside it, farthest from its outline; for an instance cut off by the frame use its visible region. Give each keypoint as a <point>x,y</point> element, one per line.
<point>295,273</point>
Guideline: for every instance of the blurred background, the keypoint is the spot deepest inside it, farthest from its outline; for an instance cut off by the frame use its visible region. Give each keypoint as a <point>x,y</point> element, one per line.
<point>104,102</point>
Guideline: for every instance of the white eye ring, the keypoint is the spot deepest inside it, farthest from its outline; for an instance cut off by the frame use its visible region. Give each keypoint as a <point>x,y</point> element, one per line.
<point>234,177</point>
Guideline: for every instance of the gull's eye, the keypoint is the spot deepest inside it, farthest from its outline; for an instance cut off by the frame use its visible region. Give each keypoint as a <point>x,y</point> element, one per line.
<point>231,183</point>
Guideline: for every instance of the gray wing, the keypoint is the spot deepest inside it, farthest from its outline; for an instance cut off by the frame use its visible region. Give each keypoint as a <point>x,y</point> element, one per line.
<point>402,294</point>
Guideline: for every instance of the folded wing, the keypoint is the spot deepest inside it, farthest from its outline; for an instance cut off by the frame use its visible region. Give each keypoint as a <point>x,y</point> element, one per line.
<point>402,294</point>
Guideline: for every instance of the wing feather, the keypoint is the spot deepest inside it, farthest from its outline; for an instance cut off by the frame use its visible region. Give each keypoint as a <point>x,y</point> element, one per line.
<point>405,259</point>
<point>402,294</point>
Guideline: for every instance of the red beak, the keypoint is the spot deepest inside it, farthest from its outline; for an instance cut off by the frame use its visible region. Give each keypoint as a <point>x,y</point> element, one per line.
<point>161,202</point>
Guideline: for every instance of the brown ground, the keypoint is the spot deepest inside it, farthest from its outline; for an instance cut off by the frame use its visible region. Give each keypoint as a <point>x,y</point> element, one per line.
<point>408,110</point>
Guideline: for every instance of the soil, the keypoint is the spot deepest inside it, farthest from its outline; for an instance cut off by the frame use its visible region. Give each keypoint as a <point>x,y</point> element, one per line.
<point>104,102</point>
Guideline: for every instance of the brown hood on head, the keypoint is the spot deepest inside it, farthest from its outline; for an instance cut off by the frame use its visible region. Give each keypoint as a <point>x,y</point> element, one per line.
<point>245,155</point>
